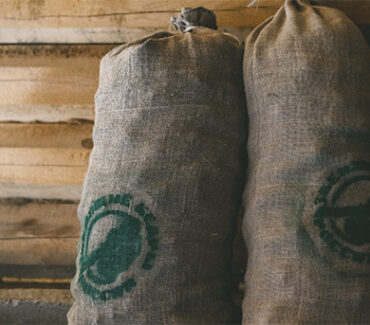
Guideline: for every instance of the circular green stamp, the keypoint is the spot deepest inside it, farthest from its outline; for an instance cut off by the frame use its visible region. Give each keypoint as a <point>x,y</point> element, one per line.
<point>338,217</point>
<point>119,239</point>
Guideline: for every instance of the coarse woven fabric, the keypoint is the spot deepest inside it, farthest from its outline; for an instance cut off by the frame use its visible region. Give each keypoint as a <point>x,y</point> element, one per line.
<point>307,227</point>
<point>164,183</point>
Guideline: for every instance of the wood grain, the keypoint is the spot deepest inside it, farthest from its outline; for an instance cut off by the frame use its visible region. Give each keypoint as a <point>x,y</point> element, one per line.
<point>90,21</point>
<point>41,295</point>
<point>129,13</point>
<point>38,219</point>
<point>40,191</point>
<point>148,13</point>
<point>34,281</point>
<point>44,157</point>
<point>38,135</point>
<point>43,165</point>
<point>49,83</point>
<point>55,155</point>
<point>38,232</point>
<point>42,175</point>
<point>40,251</point>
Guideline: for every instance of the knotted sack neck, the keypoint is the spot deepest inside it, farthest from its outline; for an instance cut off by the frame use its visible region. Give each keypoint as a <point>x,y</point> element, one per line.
<point>191,18</point>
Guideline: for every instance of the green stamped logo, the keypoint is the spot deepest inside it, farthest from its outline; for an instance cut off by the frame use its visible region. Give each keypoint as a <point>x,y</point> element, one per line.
<point>119,238</point>
<point>341,214</point>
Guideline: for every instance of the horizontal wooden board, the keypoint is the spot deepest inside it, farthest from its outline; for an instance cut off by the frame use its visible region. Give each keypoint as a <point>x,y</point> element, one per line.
<point>40,191</point>
<point>149,13</point>
<point>106,35</point>
<point>130,13</point>
<point>45,113</point>
<point>55,154</point>
<point>38,251</point>
<point>38,219</point>
<point>43,165</point>
<point>50,135</point>
<point>14,281</point>
<point>90,21</point>
<point>64,157</point>
<point>54,83</point>
<point>41,295</point>
<point>38,232</point>
<point>44,160</point>
<point>42,174</point>
<point>49,83</point>
<point>73,35</point>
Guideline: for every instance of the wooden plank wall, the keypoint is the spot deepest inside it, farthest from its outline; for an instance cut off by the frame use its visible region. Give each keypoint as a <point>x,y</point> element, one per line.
<point>49,64</point>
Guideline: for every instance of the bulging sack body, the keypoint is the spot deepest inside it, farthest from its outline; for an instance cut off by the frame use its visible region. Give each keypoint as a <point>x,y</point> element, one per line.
<point>164,183</point>
<point>307,221</point>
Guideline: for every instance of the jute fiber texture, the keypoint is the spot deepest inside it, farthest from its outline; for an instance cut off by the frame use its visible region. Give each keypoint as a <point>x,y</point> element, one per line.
<point>307,200</point>
<point>164,183</point>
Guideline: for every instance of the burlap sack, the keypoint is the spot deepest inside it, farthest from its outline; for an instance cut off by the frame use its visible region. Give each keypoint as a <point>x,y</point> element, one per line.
<point>164,182</point>
<point>307,227</point>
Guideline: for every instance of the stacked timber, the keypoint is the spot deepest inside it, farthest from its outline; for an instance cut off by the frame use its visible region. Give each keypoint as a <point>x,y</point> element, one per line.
<point>49,66</point>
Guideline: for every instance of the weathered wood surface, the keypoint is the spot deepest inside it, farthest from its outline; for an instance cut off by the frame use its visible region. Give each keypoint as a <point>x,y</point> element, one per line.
<point>40,251</point>
<point>48,135</point>
<point>52,83</point>
<point>38,232</point>
<point>113,35</point>
<point>39,160</point>
<point>148,13</point>
<point>67,157</point>
<point>34,281</point>
<point>49,83</point>
<point>54,154</point>
<point>40,191</point>
<point>108,21</point>
<point>43,295</point>
<point>42,174</point>
<point>38,219</point>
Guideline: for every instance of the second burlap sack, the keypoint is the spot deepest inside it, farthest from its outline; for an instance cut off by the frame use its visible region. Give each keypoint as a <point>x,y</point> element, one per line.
<point>307,227</point>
